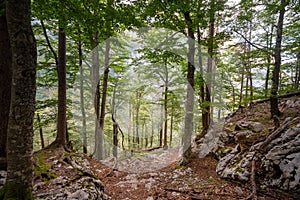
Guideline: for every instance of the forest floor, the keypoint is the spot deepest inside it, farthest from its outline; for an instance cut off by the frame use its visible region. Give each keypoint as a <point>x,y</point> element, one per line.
<point>198,180</point>
<point>195,181</point>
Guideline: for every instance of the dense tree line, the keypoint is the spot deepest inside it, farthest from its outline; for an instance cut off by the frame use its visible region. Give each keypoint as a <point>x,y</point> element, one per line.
<point>106,84</point>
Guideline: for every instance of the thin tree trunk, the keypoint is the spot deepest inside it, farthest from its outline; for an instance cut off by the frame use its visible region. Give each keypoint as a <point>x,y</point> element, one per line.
<point>269,46</point>
<point>137,112</point>
<point>100,150</point>
<point>166,107</point>
<point>5,84</point>
<point>82,102</point>
<point>61,137</point>
<point>297,79</point>
<point>249,63</point>
<point>20,127</point>
<point>189,115</point>
<point>129,127</point>
<point>275,79</point>
<point>171,126</point>
<point>115,125</point>
<point>242,85</point>
<point>41,131</point>
<point>152,129</point>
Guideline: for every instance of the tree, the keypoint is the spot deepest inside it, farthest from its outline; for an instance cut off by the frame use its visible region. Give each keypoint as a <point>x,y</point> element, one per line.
<point>275,79</point>
<point>20,127</point>
<point>189,107</point>
<point>61,136</point>
<point>5,83</point>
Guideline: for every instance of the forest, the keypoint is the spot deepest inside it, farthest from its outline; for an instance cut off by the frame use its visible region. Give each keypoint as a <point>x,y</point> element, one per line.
<point>114,90</point>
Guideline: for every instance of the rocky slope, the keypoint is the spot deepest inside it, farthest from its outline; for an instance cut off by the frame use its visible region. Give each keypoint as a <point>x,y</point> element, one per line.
<point>248,136</point>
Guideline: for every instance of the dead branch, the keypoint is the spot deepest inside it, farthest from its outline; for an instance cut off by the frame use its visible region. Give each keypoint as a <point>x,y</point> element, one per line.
<point>253,195</point>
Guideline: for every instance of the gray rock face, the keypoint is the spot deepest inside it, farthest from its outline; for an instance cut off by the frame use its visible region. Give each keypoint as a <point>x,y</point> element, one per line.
<point>85,188</point>
<point>255,127</point>
<point>282,161</point>
<point>278,162</point>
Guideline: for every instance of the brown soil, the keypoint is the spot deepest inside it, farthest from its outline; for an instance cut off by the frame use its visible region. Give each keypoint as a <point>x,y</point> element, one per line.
<point>198,180</point>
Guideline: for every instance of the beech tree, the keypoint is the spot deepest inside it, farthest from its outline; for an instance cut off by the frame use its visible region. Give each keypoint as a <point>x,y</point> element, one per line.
<point>5,83</point>
<point>275,79</point>
<point>20,127</point>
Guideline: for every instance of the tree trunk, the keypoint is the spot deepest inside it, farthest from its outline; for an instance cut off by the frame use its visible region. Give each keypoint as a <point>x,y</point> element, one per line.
<point>61,137</point>
<point>275,79</point>
<point>189,107</point>
<point>82,102</point>
<point>100,143</point>
<point>297,79</point>
<point>95,88</point>
<point>171,126</point>
<point>22,107</point>
<point>207,108</point>
<point>41,131</point>
<point>166,107</point>
<point>137,111</point>
<point>269,46</point>
<point>115,125</point>
<point>5,83</point>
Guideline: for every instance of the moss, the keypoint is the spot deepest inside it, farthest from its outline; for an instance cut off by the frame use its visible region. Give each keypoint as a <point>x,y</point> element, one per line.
<point>41,165</point>
<point>42,168</point>
<point>239,169</point>
<point>210,179</point>
<point>15,193</point>
<point>178,167</point>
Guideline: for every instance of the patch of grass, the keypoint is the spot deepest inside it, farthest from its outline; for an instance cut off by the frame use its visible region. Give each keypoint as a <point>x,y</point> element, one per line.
<point>210,179</point>
<point>178,167</point>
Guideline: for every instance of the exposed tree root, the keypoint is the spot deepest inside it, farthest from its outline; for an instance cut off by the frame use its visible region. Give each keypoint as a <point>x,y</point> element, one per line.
<point>253,195</point>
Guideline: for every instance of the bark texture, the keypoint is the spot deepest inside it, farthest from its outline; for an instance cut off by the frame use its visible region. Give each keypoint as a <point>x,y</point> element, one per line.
<point>275,79</point>
<point>5,84</point>
<point>20,127</point>
<point>189,107</point>
<point>61,137</point>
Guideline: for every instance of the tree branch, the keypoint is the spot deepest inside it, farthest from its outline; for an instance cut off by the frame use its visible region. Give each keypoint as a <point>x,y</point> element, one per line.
<point>259,47</point>
<point>49,44</point>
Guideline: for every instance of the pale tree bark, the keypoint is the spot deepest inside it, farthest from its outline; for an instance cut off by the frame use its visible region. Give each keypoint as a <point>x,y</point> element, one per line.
<point>189,107</point>
<point>95,87</point>
<point>166,105</point>
<point>275,79</point>
<point>21,117</point>
<point>100,142</point>
<point>269,46</point>
<point>5,84</point>
<point>82,101</point>
<point>207,109</point>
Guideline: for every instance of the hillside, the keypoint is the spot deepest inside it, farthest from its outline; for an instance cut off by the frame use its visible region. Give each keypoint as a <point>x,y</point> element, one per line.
<point>62,175</point>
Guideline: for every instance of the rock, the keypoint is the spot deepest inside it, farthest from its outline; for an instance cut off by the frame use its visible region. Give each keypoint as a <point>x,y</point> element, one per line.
<point>256,127</point>
<point>80,195</point>
<point>85,188</point>
<point>278,163</point>
<point>253,126</point>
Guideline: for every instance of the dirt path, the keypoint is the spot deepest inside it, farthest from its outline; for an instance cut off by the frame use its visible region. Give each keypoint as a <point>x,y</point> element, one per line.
<point>197,180</point>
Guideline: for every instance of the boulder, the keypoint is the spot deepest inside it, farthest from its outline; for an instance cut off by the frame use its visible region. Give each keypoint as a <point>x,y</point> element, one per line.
<point>277,161</point>
<point>255,127</point>
<point>84,188</point>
